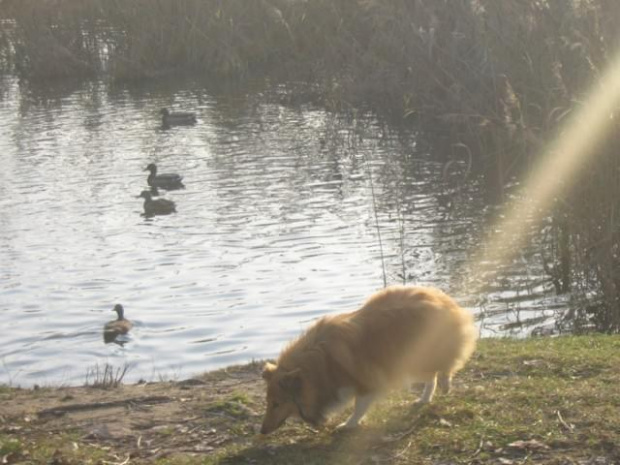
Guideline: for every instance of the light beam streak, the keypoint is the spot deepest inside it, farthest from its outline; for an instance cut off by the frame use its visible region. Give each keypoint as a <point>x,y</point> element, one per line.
<point>558,169</point>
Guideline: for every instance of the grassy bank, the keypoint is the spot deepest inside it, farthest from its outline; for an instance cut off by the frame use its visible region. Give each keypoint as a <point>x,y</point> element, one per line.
<point>551,401</point>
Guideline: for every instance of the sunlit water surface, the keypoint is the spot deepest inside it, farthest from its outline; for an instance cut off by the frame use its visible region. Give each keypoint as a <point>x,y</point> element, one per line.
<point>276,227</point>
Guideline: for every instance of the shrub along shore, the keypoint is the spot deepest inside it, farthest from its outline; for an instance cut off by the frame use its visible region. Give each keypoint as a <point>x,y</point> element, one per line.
<point>536,401</point>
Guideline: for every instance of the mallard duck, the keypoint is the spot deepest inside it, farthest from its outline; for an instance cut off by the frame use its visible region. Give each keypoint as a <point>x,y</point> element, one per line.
<point>168,181</point>
<point>116,327</point>
<point>156,207</point>
<point>177,118</point>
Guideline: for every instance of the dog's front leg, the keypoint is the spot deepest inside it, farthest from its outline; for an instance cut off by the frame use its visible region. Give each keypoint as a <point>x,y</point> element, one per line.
<point>362,403</point>
<point>429,390</point>
<point>445,382</point>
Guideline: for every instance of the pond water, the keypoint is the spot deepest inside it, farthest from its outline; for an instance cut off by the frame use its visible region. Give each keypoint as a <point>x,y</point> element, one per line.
<point>277,226</point>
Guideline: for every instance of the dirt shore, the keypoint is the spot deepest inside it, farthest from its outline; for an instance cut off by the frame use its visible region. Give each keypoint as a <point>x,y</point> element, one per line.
<point>140,422</point>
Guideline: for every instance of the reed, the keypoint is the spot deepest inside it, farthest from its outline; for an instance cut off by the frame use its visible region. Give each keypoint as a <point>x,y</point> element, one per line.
<point>106,376</point>
<point>496,76</point>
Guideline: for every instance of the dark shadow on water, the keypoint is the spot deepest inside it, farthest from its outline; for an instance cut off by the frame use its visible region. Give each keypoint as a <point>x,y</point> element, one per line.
<point>169,126</point>
<point>150,216</point>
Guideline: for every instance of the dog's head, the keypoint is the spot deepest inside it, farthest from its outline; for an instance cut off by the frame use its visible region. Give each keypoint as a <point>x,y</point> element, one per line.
<point>289,393</point>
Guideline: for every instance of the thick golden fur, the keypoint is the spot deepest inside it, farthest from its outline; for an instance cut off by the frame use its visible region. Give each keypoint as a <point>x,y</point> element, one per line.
<point>401,333</point>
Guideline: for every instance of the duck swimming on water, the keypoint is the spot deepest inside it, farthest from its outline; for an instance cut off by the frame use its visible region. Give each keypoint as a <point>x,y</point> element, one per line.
<point>168,181</point>
<point>158,206</point>
<point>114,328</point>
<point>177,118</point>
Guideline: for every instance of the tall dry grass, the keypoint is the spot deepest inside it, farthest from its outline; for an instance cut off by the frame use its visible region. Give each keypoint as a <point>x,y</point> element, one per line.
<point>495,76</point>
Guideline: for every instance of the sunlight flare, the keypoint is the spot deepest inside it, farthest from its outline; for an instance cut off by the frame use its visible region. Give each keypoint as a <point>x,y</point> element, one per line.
<point>558,169</point>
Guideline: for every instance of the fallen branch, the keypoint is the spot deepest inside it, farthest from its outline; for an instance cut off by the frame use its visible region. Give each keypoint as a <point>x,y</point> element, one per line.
<point>57,411</point>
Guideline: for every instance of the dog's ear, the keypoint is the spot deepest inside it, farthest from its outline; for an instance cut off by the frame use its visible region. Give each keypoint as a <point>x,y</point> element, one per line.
<point>268,371</point>
<point>291,382</point>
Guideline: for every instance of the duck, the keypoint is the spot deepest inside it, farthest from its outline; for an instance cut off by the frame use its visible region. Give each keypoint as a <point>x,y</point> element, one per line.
<point>157,207</point>
<point>177,118</point>
<point>114,328</point>
<point>168,181</point>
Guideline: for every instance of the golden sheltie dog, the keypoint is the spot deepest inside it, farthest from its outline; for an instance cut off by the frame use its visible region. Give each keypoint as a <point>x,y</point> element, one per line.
<point>400,334</point>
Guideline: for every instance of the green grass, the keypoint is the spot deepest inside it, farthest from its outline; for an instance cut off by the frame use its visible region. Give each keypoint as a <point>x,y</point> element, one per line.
<point>61,449</point>
<point>235,405</point>
<point>557,395</point>
<point>5,389</point>
<point>9,446</point>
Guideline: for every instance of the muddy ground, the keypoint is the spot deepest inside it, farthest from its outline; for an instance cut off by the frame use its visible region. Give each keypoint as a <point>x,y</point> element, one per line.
<point>142,422</point>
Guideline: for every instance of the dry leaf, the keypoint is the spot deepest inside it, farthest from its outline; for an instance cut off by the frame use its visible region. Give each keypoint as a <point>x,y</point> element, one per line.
<point>445,423</point>
<point>534,362</point>
<point>532,444</point>
<point>504,461</point>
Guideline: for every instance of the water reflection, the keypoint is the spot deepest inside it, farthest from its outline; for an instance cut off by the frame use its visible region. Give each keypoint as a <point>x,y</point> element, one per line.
<point>153,207</point>
<point>275,228</point>
<point>176,118</point>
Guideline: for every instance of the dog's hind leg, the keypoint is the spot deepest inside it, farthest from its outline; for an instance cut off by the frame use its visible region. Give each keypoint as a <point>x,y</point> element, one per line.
<point>445,382</point>
<point>429,390</point>
<point>361,407</point>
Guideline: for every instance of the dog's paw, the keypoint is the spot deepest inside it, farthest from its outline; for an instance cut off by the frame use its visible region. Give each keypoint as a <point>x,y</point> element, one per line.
<point>346,426</point>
